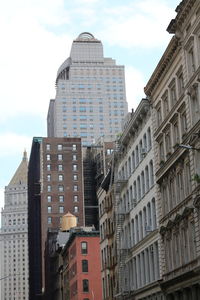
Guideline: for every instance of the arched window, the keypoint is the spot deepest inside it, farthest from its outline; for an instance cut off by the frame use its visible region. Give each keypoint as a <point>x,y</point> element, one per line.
<point>85,265</point>
<point>85,285</point>
<point>84,248</point>
<point>151,173</point>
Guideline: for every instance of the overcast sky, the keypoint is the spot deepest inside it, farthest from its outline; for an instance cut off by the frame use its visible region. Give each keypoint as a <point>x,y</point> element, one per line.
<point>36,37</point>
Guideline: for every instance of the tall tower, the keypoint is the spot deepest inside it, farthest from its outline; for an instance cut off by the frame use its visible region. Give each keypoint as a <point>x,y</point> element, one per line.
<point>14,237</point>
<point>90,94</point>
<point>55,186</point>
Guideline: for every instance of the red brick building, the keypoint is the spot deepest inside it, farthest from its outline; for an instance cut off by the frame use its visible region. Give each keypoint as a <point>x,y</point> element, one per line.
<point>81,266</point>
<point>55,186</point>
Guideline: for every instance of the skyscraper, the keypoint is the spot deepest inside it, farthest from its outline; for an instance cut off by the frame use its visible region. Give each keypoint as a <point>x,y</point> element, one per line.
<point>90,94</point>
<point>14,237</point>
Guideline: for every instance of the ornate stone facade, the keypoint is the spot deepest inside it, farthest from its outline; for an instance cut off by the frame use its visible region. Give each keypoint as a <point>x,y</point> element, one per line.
<point>174,93</point>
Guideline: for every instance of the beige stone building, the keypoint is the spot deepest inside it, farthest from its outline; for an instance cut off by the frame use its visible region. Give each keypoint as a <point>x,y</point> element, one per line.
<point>14,237</point>
<point>174,93</point>
<point>128,215</point>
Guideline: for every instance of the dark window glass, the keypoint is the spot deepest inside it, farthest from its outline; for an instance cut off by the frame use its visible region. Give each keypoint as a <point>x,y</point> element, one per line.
<point>84,265</point>
<point>85,285</point>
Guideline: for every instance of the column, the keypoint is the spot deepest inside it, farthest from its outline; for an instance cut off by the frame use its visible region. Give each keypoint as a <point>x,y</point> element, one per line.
<point>150,265</point>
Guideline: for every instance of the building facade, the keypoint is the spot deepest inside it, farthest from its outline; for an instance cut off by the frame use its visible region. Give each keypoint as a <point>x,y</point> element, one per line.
<point>128,215</point>
<point>90,94</point>
<point>55,186</point>
<point>81,266</point>
<point>174,93</point>
<point>14,237</point>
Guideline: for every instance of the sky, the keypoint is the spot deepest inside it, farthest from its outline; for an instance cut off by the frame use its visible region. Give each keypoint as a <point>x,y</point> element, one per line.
<point>36,37</point>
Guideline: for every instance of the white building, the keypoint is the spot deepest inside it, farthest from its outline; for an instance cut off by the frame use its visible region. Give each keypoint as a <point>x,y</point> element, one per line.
<point>130,242</point>
<point>90,94</point>
<point>14,237</point>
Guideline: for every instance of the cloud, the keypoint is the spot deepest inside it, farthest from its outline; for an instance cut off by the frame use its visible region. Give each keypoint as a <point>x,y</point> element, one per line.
<point>134,86</point>
<point>13,144</point>
<point>140,24</point>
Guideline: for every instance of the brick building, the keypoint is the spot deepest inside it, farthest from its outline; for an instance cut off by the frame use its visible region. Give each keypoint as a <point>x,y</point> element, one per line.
<point>55,186</point>
<point>81,266</point>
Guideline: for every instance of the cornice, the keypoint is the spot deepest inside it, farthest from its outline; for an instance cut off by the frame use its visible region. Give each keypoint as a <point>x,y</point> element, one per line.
<point>163,65</point>
<point>183,10</point>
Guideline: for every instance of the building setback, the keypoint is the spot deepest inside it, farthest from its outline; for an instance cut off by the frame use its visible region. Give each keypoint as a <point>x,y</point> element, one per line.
<point>90,94</point>
<point>14,237</point>
<point>55,186</point>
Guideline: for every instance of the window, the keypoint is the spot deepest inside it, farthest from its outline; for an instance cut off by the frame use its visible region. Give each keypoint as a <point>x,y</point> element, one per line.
<point>61,198</point>
<point>74,147</point>
<point>59,147</point>
<point>173,93</point>
<point>60,167</point>
<point>84,265</point>
<point>60,188</point>
<point>74,157</point>
<point>75,177</point>
<point>49,198</point>
<point>75,209</point>
<point>60,177</point>
<point>75,198</point>
<point>49,209</point>
<point>48,147</point>
<point>61,209</point>
<point>159,114</point>
<point>165,104</point>
<point>48,188</point>
<point>84,248</point>
<point>85,285</point>
<point>48,167</point>
<point>49,220</point>
<point>75,188</point>
<point>48,177</point>
<point>48,157</point>
<point>60,157</point>
<point>75,168</point>
<point>180,83</point>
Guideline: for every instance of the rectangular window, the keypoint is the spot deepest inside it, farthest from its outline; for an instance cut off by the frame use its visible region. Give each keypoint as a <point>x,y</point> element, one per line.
<point>60,177</point>
<point>75,167</point>
<point>61,209</point>
<point>60,167</point>
<point>49,198</point>
<point>61,198</point>
<point>48,167</point>
<point>48,157</point>
<point>85,285</point>
<point>85,265</point>
<point>48,188</point>
<point>84,248</point>
<point>75,198</point>
<point>60,188</point>
<point>48,147</point>
<point>60,157</point>
<point>75,209</point>
<point>59,147</point>
<point>74,157</point>
<point>75,188</point>
<point>74,147</point>
<point>49,220</point>
<point>48,177</point>
<point>49,209</point>
<point>75,177</point>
